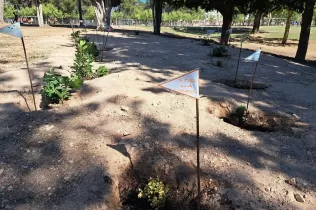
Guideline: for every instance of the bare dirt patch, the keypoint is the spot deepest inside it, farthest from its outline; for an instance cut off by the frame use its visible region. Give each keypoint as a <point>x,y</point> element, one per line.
<point>241,84</point>
<point>63,158</point>
<point>255,120</point>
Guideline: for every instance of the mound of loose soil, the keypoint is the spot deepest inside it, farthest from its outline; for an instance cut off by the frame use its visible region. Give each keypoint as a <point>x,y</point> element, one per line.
<point>256,120</point>
<point>241,84</point>
<point>180,178</point>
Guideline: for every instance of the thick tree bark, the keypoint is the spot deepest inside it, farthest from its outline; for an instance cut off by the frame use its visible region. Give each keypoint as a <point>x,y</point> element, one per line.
<point>108,9</point>
<point>102,9</point>
<point>99,10</point>
<point>39,11</point>
<point>227,23</point>
<point>287,26</point>
<point>80,13</point>
<point>157,13</point>
<point>1,11</point>
<point>256,23</point>
<point>307,18</point>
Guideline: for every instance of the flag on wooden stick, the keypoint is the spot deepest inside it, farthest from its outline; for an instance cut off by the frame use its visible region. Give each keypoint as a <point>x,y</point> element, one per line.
<point>15,30</point>
<point>254,56</point>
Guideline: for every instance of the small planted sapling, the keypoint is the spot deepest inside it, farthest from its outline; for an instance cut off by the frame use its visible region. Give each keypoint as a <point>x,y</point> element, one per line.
<point>241,114</point>
<point>156,192</point>
<point>83,62</point>
<point>101,71</point>
<point>219,51</point>
<point>57,88</point>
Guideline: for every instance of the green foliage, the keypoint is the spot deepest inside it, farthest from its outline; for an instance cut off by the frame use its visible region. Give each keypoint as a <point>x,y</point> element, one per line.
<point>86,54</point>
<point>89,14</point>
<point>241,113</point>
<point>155,192</point>
<point>101,71</point>
<point>57,88</point>
<point>219,51</point>
<point>117,15</point>
<point>83,62</point>
<point>27,11</point>
<point>75,35</point>
<point>75,82</point>
<point>50,11</point>
<point>8,11</point>
<point>93,49</point>
<point>183,14</point>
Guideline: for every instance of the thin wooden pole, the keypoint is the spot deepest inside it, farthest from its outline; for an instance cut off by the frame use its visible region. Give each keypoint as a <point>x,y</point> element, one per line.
<point>103,48</point>
<point>104,44</point>
<point>198,154</point>
<point>28,70</point>
<point>85,26</point>
<point>106,40</point>
<point>238,61</point>
<point>97,37</point>
<point>103,39</point>
<point>251,85</point>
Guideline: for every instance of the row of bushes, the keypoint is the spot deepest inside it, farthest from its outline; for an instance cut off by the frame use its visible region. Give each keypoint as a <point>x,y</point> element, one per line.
<point>58,88</point>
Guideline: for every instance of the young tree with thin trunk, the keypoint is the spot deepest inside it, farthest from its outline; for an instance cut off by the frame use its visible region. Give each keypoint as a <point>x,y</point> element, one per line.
<point>287,26</point>
<point>1,11</point>
<point>307,18</point>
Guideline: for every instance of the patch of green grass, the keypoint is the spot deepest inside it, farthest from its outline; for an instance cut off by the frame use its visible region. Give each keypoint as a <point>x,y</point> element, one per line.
<point>278,32</point>
<point>265,31</point>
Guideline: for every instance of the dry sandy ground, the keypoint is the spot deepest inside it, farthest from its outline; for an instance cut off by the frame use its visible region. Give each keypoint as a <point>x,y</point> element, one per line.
<point>71,157</point>
<point>252,42</point>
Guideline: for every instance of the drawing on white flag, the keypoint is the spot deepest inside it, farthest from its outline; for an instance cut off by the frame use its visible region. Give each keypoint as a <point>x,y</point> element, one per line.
<point>187,84</point>
<point>13,30</point>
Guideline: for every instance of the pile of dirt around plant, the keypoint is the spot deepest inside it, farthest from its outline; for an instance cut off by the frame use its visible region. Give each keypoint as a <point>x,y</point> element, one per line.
<point>180,178</point>
<point>241,84</point>
<point>255,120</point>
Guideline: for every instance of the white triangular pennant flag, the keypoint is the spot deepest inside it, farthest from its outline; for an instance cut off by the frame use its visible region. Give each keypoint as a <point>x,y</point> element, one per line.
<point>187,84</point>
<point>254,56</point>
<point>13,30</point>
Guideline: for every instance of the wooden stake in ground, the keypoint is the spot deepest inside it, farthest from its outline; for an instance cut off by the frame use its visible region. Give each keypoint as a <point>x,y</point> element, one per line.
<point>28,70</point>
<point>253,57</point>
<point>15,30</point>
<point>198,154</point>
<point>108,29</point>
<point>238,61</point>
<point>188,84</point>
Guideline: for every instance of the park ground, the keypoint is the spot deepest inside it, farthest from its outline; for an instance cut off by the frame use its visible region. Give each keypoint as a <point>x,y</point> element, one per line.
<point>122,128</point>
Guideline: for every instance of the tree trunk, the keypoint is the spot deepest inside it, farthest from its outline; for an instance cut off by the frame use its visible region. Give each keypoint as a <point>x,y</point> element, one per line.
<point>108,9</point>
<point>80,13</point>
<point>256,23</point>
<point>99,10</point>
<point>287,26</point>
<point>1,11</point>
<point>307,18</point>
<point>157,12</point>
<point>39,11</point>
<point>227,23</point>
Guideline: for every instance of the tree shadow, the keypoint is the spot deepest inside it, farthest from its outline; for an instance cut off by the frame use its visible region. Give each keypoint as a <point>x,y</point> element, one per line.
<point>37,171</point>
